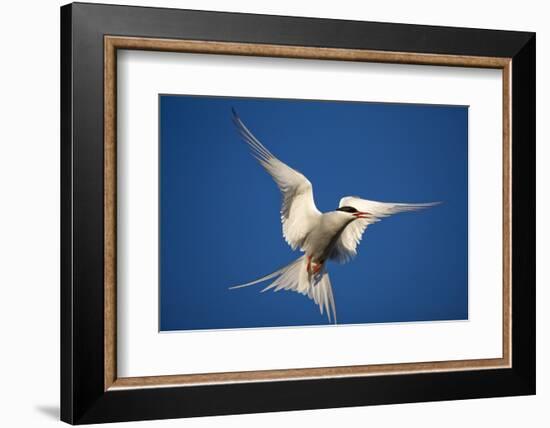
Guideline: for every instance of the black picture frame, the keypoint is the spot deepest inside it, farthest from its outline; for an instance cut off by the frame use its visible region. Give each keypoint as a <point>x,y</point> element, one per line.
<point>83,396</point>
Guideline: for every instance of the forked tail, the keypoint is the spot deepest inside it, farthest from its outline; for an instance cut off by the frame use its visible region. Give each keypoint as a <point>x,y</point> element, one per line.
<point>295,277</point>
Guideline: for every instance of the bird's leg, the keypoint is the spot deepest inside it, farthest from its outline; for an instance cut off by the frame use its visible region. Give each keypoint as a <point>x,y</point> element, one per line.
<point>317,267</point>
<point>313,268</point>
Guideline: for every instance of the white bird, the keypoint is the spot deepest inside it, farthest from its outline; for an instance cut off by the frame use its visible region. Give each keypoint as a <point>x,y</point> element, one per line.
<point>333,235</point>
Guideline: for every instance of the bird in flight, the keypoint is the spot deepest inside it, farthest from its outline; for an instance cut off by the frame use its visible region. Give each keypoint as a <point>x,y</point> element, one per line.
<point>332,235</point>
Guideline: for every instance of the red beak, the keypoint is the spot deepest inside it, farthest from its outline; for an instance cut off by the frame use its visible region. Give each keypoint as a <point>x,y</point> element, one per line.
<point>362,214</point>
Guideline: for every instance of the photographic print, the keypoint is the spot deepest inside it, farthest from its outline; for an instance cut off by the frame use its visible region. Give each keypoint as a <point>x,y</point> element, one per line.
<point>285,213</point>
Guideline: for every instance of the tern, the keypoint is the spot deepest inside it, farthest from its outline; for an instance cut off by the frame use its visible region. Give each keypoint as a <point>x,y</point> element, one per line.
<point>333,235</point>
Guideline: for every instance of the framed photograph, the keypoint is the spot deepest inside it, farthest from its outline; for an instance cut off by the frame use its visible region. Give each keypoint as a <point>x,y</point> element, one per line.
<point>265,213</point>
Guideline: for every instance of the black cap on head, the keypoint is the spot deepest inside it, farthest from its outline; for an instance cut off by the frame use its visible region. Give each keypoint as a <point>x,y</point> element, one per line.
<point>347,209</point>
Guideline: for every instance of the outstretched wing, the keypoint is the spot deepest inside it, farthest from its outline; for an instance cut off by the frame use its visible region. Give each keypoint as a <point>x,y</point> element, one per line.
<point>346,245</point>
<point>298,211</point>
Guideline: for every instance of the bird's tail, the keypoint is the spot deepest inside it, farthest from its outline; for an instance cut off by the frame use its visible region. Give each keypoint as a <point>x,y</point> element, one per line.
<point>295,277</point>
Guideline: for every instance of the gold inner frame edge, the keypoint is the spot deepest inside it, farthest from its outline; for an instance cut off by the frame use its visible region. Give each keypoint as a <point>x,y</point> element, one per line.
<point>113,43</point>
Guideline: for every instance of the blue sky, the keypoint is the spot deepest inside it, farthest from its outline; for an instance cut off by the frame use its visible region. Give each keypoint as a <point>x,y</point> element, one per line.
<point>220,222</point>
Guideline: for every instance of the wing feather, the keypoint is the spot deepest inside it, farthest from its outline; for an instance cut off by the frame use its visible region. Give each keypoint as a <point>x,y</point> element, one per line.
<point>298,210</point>
<point>346,246</point>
